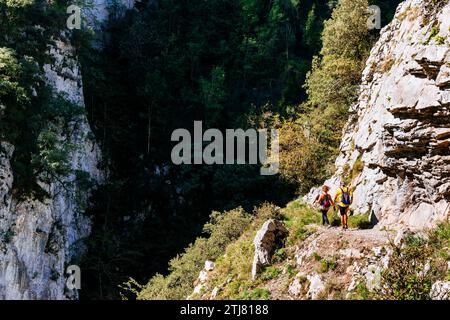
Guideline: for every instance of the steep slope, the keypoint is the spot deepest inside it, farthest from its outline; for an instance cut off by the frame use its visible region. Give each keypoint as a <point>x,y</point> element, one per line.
<point>316,262</point>
<point>395,147</point>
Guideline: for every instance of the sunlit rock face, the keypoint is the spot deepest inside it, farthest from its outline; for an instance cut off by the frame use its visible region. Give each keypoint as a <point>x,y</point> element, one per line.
<point>39,239</point>
<point>395,146</point>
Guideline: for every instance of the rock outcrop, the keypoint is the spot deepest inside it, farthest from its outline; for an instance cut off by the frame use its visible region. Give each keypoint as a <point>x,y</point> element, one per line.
<point>440,290</point>
<point>202,278</point>
<point>40,237</point>
<point>395,147</point>
<point>265,241</point>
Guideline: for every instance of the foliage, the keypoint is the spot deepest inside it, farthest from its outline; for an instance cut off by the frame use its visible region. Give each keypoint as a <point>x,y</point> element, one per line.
<point>316,256</point>
<point>163,67</point>
<point>298,216</point>
<point>270,273</point>
<point>233,267</point>
<point>231,64</point>
<point>256,294</point>
<point>415,265</point>
<point>327,265</point>
<point>184,269</point>
<point>361,292</point>
<point>311,141</point>
<point>32,115</point>
<point>302,159</point>
<point>359,221</point>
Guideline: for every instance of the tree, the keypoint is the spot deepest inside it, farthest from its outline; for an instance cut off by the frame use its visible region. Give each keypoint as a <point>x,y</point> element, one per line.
<point>332,86</point>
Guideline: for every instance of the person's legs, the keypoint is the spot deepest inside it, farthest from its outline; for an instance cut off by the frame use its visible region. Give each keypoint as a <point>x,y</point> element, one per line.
<point>325,217</point>
<point>342,212</point>
<point>346,216</point>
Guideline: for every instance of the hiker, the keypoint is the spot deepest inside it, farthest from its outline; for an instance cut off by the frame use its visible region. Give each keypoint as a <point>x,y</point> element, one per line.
<point>326,201</point>
<point>343,199</point>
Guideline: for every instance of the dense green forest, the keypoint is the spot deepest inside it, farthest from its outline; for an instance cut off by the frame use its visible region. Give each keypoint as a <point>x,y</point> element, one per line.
<point>222,62</point>
<point>231,64</point>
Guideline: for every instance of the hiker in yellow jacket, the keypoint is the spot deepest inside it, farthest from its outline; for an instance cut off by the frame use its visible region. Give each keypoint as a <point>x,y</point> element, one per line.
<point>343,199</point>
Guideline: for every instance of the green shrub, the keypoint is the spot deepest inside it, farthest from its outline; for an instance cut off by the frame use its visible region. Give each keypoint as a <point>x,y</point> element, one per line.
<point>279,256</point>
<point>415,265</point>
<point>434,32</point>
<point>360,221</point>
<point>290,270</point>
<point>30,107</point>
<point>270,273</point>
<point>223,228</point>
<point>256,294</point>
<point>358,167</point>
<point>297,216</point>
<point>361,292</point>
<point>439,239</point>
<point>327,265</point>
<point>310,144</point>
<point>335,218</point>
<point>8,236</point>
<point>316,256</point>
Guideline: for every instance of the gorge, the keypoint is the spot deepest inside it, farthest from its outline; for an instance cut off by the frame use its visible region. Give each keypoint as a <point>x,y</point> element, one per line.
<point>86,175</point>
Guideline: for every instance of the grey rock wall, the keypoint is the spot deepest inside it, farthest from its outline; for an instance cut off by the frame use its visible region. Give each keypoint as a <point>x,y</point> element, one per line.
<point>397,140</point>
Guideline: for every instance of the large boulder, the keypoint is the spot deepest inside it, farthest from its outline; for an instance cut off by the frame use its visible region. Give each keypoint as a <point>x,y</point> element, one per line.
<point>267,238</point>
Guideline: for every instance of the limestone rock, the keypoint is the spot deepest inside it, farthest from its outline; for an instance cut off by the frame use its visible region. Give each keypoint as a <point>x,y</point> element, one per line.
<point>440,290</point>
<point>400,126</point>
<point>443,78</point>
<point>265,240</point>
<point>351,253</point>
<point>352,285</point>
<point>203,276</point>
<point>214,293</point>
<point>41,238</point>
<point>295,288</point>
<point>316,286</point>
<point>400,236</point>
<point>209,265</point>
<point>373,277</point>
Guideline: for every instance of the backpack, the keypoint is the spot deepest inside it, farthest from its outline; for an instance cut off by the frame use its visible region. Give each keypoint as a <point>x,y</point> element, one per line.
<point>345,198</point>
<point>326,203</point>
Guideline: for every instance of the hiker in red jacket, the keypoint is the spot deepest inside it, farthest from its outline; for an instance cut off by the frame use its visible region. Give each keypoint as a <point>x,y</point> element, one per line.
<point>326,201</point>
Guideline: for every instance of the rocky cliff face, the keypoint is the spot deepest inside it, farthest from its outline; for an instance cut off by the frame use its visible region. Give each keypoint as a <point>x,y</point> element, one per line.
<point>39,238</point>
<point>395,146</point>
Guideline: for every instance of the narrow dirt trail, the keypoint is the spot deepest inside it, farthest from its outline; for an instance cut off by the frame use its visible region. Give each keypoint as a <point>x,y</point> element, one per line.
<point>354,235</point>
<point>332,260</point>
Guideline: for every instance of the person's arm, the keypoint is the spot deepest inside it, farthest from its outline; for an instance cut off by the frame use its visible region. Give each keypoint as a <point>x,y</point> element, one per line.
<point>336,195</point>
<point>317,198</point>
